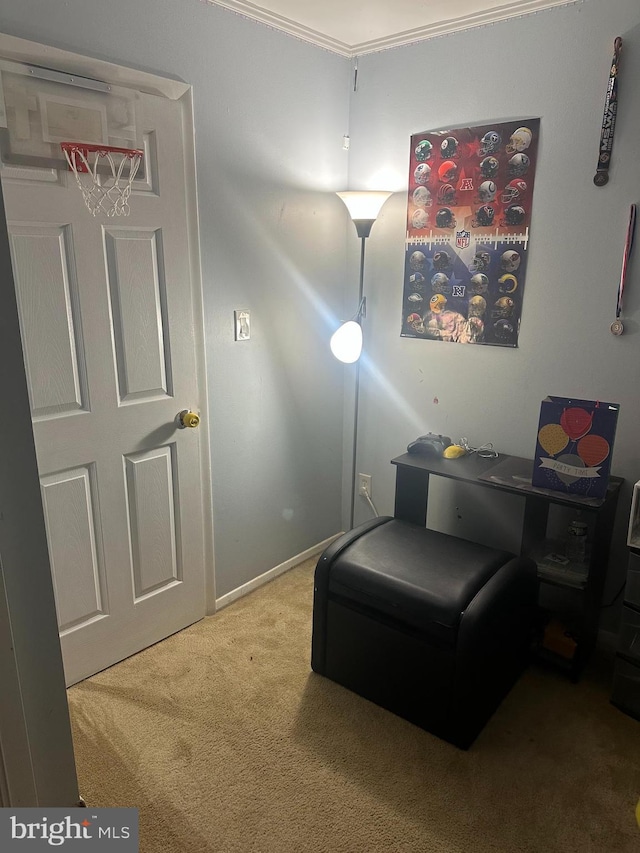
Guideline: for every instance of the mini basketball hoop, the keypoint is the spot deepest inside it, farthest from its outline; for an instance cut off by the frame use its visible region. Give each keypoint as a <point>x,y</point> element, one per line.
<point>104,175</point>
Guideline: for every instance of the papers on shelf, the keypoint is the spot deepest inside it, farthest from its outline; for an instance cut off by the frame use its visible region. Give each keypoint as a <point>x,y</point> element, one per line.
<point>553,565</point>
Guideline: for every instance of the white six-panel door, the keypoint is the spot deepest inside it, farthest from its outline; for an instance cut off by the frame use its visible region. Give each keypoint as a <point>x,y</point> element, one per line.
<point>107,321</point>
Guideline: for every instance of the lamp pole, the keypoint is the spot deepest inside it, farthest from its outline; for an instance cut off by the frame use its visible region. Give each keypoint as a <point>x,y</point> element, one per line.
<point>356,394</point>
<point>363,208</point>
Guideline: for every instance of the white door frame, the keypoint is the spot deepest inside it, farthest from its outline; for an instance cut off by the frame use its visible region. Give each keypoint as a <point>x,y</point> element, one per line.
<point>26,724</point>
<point>37,762</point>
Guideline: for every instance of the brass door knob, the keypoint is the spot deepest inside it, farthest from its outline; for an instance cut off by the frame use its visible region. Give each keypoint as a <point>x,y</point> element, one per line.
<point>188,419</point>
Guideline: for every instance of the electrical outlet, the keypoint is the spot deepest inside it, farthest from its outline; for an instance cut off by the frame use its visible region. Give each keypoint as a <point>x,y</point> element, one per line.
<point>364,484</point>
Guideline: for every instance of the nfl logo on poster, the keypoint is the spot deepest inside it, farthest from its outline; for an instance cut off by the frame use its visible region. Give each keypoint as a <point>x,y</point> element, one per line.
<point>463,238</point>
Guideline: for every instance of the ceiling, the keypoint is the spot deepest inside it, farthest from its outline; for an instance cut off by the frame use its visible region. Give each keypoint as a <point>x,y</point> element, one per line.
<point>354,27</point>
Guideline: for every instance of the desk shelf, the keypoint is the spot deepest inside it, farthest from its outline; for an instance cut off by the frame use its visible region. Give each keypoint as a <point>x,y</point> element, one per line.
<point>512,474</point>
<point>555,660</point>
<point>571,575</point>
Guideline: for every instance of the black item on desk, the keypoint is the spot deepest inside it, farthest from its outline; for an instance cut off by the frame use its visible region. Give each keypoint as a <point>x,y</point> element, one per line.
<point>429,444</point>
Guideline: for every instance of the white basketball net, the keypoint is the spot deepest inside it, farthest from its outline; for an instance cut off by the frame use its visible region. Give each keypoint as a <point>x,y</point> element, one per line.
<point>103,193</point>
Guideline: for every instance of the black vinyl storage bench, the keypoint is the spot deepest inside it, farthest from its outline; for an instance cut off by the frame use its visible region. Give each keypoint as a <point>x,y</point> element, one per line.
<point>434,628</point>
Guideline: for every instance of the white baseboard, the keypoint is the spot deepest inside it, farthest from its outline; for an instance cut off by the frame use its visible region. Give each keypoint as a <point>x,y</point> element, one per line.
<point>224,600</point>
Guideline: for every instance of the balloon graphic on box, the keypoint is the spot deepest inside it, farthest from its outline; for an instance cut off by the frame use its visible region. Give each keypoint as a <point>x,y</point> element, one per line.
<point>576,422</point>
<point>574,446</point>
<point>553,438</point>
<point>569,460</point>
<point>593,449</point>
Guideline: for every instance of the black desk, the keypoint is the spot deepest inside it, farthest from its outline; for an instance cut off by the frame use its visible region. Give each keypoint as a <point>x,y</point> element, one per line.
<point>512,474</point>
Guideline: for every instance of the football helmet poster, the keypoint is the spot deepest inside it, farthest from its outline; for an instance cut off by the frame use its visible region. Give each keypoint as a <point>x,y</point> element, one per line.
<point>468,218</point>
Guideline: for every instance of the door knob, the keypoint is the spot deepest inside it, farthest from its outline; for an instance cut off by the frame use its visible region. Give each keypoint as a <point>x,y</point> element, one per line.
<point>188,419</point>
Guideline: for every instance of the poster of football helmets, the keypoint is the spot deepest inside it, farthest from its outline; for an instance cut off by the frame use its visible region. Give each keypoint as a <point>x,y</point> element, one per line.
<point>468,230</point>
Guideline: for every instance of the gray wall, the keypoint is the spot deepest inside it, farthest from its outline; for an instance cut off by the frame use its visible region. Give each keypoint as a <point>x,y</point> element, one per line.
<point>555,65</point>
<point>270,113</point>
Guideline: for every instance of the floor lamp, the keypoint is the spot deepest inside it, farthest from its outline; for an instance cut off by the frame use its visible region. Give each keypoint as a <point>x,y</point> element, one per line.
<point>346,342</point>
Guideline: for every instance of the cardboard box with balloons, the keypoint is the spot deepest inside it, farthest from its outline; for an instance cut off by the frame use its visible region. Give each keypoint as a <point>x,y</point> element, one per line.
<point>574,446</point>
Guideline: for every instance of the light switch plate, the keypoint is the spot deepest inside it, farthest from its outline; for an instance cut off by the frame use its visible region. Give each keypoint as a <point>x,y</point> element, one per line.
<point>242,325</point>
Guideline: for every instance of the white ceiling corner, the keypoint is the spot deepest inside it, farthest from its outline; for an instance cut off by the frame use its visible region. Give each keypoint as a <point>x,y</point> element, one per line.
<point>354,27</point>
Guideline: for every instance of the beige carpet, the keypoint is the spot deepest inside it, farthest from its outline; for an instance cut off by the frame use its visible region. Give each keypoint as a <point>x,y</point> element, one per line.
<point>226,742</point>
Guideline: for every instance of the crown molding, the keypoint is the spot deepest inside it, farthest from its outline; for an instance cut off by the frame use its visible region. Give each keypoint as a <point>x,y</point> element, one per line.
<point>515,9</point>
<point>286,25</point>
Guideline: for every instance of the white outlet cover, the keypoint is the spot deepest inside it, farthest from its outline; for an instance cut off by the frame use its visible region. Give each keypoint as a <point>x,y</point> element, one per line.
<point>242,324</point>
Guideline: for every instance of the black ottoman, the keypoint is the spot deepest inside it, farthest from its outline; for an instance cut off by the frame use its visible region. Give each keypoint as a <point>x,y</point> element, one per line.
<point>431,627</point>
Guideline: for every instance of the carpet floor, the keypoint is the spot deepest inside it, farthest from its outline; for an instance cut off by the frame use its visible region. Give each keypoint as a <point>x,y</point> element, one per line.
<point>228,743</point>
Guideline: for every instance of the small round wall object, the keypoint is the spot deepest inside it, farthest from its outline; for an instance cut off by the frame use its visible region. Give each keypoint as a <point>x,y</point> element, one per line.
<point>616,327</point>
<point>188,420</point>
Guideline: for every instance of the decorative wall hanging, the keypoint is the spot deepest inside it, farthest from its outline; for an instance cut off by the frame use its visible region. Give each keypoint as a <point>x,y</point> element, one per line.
<point>574,446</point>
<point>468,217</point>
<point>601,177</point>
